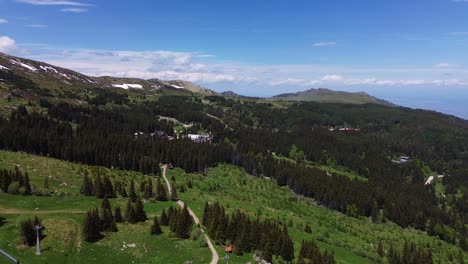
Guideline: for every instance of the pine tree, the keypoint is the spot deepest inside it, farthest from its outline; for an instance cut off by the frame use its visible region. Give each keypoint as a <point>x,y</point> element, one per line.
<point>27,233</point>
<point>132,194</point>
<point>105,205</point>
<point>127,212</point>
<point>27,185</point>
<point>205,214</point>
<point>108,188</point>
<point>183,223</point>
<point>174,192</point>
<point>92,227</point>
<point>98,188</point>
<point>118,215</point>
<point>155,227</point>
<point>160,191</point>
<point>87,187</point>
<point>5,180</point>
<point>148,192</point>
<point>106,219</point>
<point>164,218</point>
<point>238,248</point>
<point>140,211</point>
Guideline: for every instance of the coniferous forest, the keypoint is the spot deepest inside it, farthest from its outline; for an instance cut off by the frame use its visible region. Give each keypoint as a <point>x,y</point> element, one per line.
<point>105,136</point>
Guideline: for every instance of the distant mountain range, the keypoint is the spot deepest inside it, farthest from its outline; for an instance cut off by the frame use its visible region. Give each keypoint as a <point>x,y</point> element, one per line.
<point>323,95</point>
<point>25,74</point>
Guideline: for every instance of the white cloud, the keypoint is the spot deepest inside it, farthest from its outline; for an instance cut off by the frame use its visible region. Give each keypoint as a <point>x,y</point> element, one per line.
<point>54,2</point>
<point>74,10</point>
<point>3,21</point>
<point>37,26</point>
<point>205,69</point>
<point>445,65</point>
<point>332,78</point>
<point>7,44</point>
<point>324,44</point>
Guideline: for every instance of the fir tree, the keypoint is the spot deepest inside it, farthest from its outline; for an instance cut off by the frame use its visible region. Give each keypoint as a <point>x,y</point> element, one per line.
<point>92,226</point>
<point>174,192</point>
<point>26,184</point>
<point>27,233</point>
<point>128,209</point>
<point>155,227</point>
<point>98,187</point>
<point>148,192</point>
<point>130,214</point>
<point>183,223</point>
<point>164,218</point>
<point>106,219</point>
<point>160,191</point>
<point>131,193</point>
<point>108,188</point>
<point>118,215</point>
<point>105,205</point>
<point>87,187</point>
<point>140,211</point>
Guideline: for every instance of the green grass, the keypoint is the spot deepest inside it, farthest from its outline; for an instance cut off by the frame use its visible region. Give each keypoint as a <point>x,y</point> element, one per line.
<point>331,169</point>
<point>63,243</point>
<point>352,240</point>
<point>63,214</point>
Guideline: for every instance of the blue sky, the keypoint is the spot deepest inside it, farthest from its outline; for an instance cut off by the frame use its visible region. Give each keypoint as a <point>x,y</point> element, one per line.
<point>414,53</point>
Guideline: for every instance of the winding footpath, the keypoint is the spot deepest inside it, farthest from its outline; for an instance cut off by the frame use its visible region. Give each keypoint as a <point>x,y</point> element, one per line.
<point>215,256</point>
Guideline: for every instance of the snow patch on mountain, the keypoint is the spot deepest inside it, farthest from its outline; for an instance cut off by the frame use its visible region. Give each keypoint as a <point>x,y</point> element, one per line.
<point>27,66</point>
<point>64,75</point>
<point>3,67</point>
<point>47,68</point>
<point>177,86</point>
<point>126,86</point>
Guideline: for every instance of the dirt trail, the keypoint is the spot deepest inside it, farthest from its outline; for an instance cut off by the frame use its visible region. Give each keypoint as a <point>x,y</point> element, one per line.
<point>214,253</point>
<point>13,211</point>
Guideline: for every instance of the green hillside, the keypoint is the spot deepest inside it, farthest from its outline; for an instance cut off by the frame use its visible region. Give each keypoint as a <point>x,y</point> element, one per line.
<point>352,240</point>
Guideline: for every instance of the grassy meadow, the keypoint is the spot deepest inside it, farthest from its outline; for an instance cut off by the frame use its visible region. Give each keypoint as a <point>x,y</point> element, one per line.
<point>352,240</point>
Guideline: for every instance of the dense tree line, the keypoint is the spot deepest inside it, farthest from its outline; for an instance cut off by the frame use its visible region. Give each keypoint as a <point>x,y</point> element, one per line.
<point>15,182</point>
<point>103,220</point>
<point>246,234</point>
<point>410,254</point>
<point>179,220</point>
<point>100,187</point>
<point>310,253</point>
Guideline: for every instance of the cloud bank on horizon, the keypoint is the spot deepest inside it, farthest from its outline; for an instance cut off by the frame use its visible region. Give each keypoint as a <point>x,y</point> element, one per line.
<point>356,47</point>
